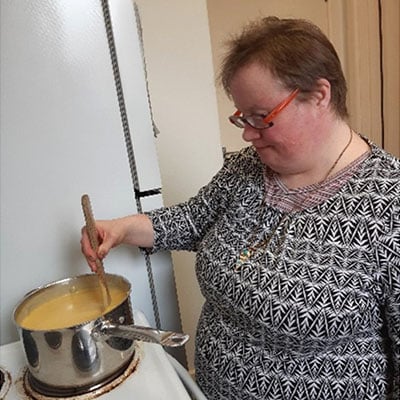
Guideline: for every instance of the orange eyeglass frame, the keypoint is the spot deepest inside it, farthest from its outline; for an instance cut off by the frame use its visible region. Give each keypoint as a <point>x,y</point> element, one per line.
<point>239,121</point>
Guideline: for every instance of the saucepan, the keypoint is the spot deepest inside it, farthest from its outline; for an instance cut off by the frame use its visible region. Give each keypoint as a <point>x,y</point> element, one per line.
<point>71,343</point>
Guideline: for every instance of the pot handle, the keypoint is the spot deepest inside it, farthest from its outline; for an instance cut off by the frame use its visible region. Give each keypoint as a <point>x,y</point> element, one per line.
<point>143,333</point>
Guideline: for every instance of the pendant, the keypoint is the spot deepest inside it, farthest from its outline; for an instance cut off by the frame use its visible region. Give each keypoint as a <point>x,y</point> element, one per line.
<point>243,257</point>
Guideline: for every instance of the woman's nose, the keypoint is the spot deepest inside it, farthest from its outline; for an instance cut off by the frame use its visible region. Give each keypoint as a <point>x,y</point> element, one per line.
<point>249,133</point>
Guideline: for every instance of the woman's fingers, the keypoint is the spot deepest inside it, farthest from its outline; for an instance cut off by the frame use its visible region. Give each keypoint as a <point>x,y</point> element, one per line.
<point>87,250</point>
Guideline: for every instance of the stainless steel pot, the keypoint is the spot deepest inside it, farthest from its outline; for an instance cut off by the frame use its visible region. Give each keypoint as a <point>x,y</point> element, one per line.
<point>83,357</point>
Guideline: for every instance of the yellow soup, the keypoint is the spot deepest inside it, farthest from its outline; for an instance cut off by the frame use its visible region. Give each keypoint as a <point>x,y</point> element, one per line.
<point>71,309</point>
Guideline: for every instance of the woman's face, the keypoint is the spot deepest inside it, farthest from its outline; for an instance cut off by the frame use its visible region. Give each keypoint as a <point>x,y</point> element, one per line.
<point>287,146</point>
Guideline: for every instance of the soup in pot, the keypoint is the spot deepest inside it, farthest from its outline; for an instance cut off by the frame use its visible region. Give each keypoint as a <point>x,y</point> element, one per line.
<point>70,309</point>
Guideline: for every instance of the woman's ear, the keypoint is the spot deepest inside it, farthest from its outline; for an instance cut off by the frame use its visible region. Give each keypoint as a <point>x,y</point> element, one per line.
<point>322,93</point>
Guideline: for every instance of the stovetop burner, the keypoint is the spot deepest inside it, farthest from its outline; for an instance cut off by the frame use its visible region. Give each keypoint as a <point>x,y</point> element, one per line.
<point>34,389</point>
<point>2,379</point>
<point>5,382</point>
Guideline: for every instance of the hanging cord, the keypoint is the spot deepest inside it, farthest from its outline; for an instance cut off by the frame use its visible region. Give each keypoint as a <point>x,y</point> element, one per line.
<point>140,31</point>
<point>382,110</point>
<point>129,146</point>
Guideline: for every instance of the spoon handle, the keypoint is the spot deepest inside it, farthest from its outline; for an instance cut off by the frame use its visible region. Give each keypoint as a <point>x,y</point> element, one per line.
<point>92,233</point>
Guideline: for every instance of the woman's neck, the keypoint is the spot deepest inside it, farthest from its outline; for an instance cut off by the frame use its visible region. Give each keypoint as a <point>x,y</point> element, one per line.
<point>339,150</point>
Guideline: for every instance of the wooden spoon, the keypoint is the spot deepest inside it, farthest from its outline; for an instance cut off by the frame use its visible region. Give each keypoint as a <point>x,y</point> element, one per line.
<point>92,233</point>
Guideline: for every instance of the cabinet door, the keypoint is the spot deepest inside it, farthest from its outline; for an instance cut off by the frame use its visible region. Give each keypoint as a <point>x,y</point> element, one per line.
<point>360,27</point>
<point>367,32</point>
<point>391,74</point>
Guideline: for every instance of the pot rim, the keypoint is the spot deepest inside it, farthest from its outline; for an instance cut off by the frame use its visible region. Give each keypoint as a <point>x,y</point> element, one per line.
<point>29,296</point>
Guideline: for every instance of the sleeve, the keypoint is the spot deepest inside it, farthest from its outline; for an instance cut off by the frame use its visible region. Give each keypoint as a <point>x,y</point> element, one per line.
<point>182,226</point>
<point>389,255</point>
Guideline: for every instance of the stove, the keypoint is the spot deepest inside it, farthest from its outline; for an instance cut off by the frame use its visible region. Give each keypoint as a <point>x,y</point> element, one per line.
<point>149,375</point>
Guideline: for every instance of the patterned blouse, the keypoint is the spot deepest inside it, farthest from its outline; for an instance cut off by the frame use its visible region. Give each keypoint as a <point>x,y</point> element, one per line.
<point>314,313</point>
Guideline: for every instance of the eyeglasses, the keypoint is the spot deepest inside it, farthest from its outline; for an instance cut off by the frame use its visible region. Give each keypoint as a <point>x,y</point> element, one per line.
<point>261,121</point>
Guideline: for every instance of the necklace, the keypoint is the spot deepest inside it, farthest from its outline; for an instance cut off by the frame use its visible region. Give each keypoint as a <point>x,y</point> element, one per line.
<point>255,245</point>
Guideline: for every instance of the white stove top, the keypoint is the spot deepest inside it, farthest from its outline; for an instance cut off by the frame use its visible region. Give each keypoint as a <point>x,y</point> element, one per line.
<point>154,377</point>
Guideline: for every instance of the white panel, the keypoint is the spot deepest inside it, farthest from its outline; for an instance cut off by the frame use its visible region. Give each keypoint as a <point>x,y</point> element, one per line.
<point>133,78</point>
<point>151,202</point>
<point>61,136</point>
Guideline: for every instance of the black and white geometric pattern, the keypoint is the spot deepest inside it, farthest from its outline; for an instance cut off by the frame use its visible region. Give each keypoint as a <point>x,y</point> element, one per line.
<point>314,316</point>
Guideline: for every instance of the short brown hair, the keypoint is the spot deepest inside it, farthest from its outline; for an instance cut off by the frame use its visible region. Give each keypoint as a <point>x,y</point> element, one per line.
<point>296,51</point>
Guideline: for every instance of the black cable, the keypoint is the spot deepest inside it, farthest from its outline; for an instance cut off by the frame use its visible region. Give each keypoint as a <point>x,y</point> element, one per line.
<point>129,147</point>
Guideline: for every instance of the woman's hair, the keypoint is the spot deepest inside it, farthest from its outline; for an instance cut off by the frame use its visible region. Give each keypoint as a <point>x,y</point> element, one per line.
<point>296,51</point>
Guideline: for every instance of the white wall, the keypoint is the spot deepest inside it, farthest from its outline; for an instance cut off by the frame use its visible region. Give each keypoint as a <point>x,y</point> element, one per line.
<point>182,90</point>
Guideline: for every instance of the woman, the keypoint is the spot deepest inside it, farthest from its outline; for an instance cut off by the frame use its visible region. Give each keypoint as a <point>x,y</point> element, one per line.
<point>297,236</point>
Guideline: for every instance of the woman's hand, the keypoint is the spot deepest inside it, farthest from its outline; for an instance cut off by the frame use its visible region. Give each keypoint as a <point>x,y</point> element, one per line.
<point>136,230</point>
